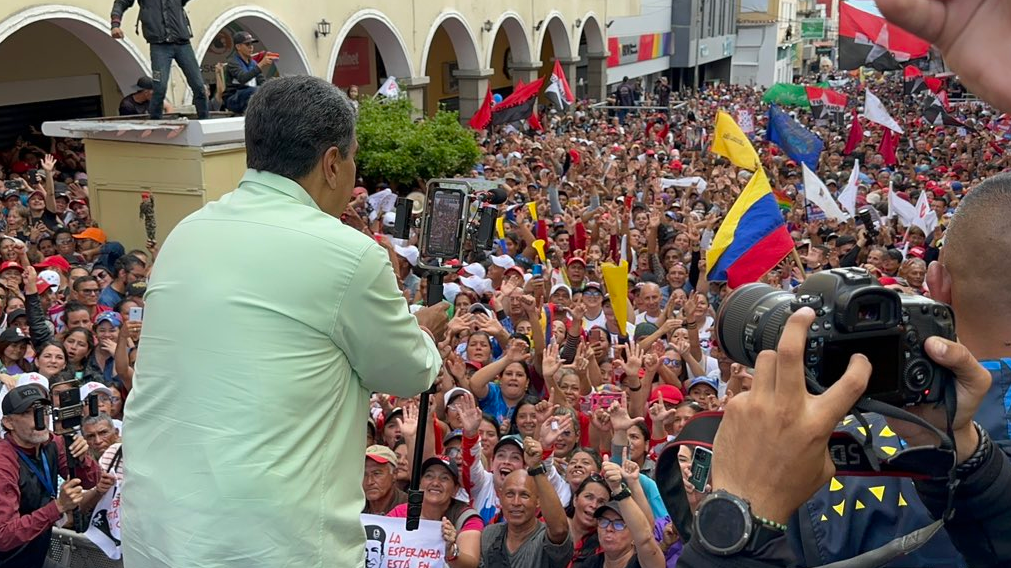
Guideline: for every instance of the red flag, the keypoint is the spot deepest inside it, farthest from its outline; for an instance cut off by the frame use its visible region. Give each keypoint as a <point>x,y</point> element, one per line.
<point>889,143</point>
<point>558,91</point>
<point>535,122</point>
<point>519,105</point>
<point>482,117</point>
<point>649,127</point>
<point>856,135</point>
<point>934,84</point>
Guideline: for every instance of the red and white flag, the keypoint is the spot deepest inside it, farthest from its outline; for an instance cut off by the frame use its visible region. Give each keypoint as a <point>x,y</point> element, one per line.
<point>558,91</point>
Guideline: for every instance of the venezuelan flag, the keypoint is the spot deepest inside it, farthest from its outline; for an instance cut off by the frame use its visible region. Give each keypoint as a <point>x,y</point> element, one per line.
<point>752,239</point>
<point>783,200</point>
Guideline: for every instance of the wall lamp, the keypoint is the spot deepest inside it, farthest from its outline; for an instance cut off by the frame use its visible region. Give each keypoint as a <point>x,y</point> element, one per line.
<point>322,28</point>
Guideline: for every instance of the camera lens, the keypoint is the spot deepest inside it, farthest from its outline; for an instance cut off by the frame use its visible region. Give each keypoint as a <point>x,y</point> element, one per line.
<point>751,320</point>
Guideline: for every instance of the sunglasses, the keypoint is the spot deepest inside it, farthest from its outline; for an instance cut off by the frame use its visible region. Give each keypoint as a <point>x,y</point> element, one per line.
<point>671,362</point>
<point>615,524</point>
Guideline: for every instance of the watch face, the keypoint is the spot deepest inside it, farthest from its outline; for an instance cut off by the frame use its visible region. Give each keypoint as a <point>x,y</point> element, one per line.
<point>723,525</point>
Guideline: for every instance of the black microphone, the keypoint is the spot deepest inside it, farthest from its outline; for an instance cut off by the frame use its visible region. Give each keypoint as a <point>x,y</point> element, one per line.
<point>494,196</point>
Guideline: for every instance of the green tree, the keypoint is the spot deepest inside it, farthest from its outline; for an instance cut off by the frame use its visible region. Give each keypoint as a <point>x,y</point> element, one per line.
<point>396,148</point>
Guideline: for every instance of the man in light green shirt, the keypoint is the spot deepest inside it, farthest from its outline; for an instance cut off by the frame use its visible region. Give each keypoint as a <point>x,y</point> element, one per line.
<point>267,325</point>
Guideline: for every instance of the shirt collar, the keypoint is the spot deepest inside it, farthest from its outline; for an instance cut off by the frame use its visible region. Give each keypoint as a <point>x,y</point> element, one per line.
<point>274,182</point>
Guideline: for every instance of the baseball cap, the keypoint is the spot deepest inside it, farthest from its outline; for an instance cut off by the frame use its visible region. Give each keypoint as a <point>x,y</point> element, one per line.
<point>453,393</point>
<point>112,317</point>
<point>144,83</point>
<point>56,261</point>
<point>18,313</point>
<point>410,254</point>
<point>845,240</point>
<point>558,287</point>
<point>42,286</point>
<point>593,285</point>
<point>513,439</point>
<point>94,387</point>
<point>243,37</point>
<point>38,193</point>
<point>381,454</point>
<point>11,265</point>
<point>474,269</point>
<point>918,252</point>
<point>445,462</point>
<point>644,329</point>
<point>32,379</point>
<point>393,413</point>
<point>93,233</point>
<point>609,506</point>
<point>75,202</point>
<point>13,335</point>
<point>515,269</point>
<point>574,260</point>
<point>10,193</point>
<point>712,380</point>
<point>503,261</point>
<point>453,435</point>
<point>22,398</point>
<point>671,394</point>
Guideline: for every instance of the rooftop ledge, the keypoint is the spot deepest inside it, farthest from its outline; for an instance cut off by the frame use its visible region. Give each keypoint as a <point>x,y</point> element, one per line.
<point>172,130</point>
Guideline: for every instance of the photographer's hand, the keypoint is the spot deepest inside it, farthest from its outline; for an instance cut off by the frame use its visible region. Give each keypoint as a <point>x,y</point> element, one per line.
<point>781,430</point>
<point>972,382</point>
<point>79,448</point>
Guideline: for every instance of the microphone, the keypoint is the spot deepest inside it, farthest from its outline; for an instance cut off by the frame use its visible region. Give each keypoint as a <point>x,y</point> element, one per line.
<point>494,196</point>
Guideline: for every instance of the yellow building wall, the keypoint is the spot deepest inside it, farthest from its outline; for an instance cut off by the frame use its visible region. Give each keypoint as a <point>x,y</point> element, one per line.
<point>46,51</point>
<point>498,54</point>
<point>441,60</point>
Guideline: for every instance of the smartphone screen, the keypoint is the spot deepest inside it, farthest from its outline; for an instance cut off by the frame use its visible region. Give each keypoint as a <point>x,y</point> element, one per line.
<point>444,224</point>
<point>702,461</point>
<point>136,314</point>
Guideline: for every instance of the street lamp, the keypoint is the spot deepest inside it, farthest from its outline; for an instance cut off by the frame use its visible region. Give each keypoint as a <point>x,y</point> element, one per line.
<point>322,28</point>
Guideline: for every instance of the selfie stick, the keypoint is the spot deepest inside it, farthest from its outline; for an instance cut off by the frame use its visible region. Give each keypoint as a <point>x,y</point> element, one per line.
<point>414,493</point>
<point>68,439</point>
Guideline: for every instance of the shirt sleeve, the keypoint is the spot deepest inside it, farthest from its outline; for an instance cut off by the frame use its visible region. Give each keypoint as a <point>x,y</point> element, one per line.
<point>381,339</point>
<point>17,529</point>
<point>557,554</point>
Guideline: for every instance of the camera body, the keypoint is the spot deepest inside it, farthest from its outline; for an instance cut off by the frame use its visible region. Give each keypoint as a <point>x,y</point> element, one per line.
<point>864,213</point>
<point>855,314</point>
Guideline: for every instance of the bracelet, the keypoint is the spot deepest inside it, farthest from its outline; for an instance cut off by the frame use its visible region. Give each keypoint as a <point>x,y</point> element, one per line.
<point>771,524</point>
<point>691,325</point>
<point>636,389</point>
<point>977,458</point>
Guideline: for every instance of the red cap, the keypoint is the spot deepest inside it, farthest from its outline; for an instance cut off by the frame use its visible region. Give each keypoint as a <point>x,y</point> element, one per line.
<point>55,261</point>
<point>515,269</point>
<point>477,365</point>
<point>887,280</point>
<point>76,202</point>
<point>671,394</point>
<point>9,265</point>
<point>677,165</point>
<point>42,286</point>
<point>575,259</point>
<point>918,252</point>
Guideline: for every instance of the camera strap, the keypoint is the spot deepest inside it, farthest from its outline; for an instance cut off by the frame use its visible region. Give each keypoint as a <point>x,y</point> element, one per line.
<point>45,476</point>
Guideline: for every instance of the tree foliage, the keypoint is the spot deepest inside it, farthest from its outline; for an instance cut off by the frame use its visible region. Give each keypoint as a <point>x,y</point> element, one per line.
<point>395,148</point>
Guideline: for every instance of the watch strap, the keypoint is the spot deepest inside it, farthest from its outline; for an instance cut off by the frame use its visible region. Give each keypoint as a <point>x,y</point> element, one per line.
<point>540,469</point>
<point>623,493</point>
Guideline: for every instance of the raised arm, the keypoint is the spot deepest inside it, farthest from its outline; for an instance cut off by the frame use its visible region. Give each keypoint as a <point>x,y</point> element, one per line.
<point>551,506</point>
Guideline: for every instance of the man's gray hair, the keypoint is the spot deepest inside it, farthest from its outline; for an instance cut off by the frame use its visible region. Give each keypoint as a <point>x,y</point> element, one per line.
<point>292,121</point>
<point>94,420</point>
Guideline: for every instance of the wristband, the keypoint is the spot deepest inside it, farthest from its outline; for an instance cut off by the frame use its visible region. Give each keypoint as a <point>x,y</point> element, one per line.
<point>982,453</point>
<point>537,470</point>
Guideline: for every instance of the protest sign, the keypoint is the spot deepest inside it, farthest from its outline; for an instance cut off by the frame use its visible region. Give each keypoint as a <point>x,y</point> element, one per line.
<point>388,543</point>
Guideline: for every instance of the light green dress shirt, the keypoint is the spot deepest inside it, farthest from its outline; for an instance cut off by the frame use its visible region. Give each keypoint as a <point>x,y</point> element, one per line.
<point>267,324</point>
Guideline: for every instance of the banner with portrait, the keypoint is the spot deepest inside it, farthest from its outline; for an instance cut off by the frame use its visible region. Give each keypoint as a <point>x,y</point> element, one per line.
<point>388,543</point>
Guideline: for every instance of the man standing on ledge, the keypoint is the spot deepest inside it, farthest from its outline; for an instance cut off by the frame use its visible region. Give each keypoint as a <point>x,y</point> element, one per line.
<point>267,324</point>
<point>167,30</point>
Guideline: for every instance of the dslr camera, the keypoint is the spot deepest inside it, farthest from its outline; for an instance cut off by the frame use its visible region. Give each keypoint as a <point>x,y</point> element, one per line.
<point>855,314</point>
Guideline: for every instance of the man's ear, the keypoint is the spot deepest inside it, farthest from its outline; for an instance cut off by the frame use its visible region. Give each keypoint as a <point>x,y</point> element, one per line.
<point>939,282</point>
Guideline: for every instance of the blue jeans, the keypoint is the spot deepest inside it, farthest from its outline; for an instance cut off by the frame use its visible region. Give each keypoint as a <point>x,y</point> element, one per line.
<point>162,55</point>
<point>239,100</point>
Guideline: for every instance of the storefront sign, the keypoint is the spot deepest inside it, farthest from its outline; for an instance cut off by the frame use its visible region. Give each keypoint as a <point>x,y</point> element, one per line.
<point>354,65</point>
<point>632,49</point>
<point>812,28</point>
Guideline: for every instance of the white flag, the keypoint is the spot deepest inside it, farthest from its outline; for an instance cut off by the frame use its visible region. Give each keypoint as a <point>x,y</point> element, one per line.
<point>817,194</point>
<point>389,89</point>
<point>104,528</point>
<point>874,111</point>
<point>925,219</point>
<point>900,207</point>
<point>848,197</point>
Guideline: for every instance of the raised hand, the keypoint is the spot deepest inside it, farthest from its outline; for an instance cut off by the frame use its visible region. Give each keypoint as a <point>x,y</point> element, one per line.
<point>552,361</point>
<point>659,413</point>
<point>552,428</point>
<point>620,420</point>
<point>470,413</point>
<point>409,422</point>
<point>629,469</point>
<point>49,163</point>
<point>532,452</point>
<point>601,420</point>
<point>633,359</point>
<point>612,474</point>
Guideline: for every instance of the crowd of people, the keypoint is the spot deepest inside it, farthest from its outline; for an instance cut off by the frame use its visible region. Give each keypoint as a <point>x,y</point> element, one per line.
<point>550,415</point>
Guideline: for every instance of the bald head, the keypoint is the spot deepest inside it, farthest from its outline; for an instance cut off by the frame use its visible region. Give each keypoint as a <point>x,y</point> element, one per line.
<point>977,245</point>
<point>650,296</point>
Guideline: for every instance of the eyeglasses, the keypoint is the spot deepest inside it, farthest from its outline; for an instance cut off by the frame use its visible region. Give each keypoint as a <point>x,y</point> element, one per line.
<point>671,362</point>
<point>592,293</point>
<point>88,291</point>
<point>614,524</point>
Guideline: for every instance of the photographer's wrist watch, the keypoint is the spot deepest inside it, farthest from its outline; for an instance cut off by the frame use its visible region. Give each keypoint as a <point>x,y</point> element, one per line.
<point>725,526</point>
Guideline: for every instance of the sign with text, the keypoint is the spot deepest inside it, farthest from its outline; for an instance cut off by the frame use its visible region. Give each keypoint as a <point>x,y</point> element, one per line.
<point>388,543</point>
<point>812,28</point>
<point>632,49</point>
<point>354,66</point>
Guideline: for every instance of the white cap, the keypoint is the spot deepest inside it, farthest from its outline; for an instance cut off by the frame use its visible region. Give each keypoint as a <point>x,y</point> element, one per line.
<point>389,219</point>
<point>503,261</point>
<point>480,285</point>
<point>410,253</point>
<point>475,269</point>
<point>52,277</point>
<point>31,379</point>
<point>558,287</point>
<point>450,290</point>
<point>453,392</point>
<point>94,387</point>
